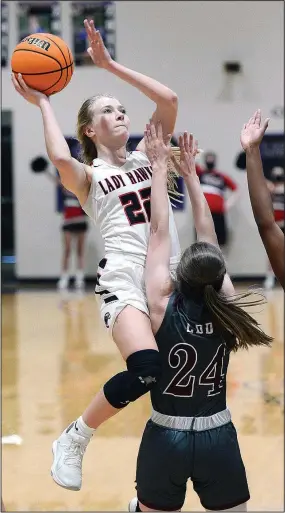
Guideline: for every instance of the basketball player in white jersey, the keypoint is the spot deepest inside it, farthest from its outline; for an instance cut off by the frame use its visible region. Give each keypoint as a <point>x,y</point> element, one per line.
<point>113,186</point>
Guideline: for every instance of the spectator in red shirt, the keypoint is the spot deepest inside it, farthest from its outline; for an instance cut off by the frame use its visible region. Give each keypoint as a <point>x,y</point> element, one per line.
<point>214,185</point>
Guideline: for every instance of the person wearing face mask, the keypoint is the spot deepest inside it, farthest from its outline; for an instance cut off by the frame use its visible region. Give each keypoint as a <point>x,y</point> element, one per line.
<point>214,185</point>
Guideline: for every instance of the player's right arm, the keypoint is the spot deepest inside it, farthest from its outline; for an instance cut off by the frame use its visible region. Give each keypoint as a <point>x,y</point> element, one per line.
<point>75,176</point>
<point>157,274</point>
<point>203,220</point>
<point>260,197</point>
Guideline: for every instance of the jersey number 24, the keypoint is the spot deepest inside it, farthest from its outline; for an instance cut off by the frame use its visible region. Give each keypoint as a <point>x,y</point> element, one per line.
<point>184,357</point>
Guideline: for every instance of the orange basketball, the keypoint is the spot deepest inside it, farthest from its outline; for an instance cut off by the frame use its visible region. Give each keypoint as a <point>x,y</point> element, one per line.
<point>45,61</point>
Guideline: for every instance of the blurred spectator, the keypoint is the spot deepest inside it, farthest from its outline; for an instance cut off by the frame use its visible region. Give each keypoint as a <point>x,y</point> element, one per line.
<point>34,24</point>
<point>214,185</point>
<point>74,226</point>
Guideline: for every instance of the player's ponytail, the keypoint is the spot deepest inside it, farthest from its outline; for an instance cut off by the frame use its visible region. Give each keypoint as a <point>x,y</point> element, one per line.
<point>229,316</point>
<point>88,148</point>
<point>200,273</point>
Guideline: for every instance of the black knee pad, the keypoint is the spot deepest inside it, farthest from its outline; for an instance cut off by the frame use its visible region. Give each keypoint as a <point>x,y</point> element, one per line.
<point>146,366</point>
<point>144,370</point>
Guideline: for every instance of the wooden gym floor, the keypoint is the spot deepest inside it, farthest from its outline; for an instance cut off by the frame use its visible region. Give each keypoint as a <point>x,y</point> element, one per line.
<point>56,354</point>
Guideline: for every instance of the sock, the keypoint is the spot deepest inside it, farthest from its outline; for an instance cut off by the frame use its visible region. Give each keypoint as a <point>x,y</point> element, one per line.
<point>82,428</point>
<point>65,275</point>
<point>80,274</point>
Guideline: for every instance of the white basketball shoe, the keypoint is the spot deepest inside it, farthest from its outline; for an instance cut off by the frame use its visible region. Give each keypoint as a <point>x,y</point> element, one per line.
<point>68,451</point>
<point>133,504</point>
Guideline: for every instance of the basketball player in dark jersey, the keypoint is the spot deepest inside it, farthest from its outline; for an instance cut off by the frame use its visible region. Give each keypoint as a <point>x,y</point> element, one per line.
<point>197,322</point>
<point>276,185</point>
<point>261,202</point>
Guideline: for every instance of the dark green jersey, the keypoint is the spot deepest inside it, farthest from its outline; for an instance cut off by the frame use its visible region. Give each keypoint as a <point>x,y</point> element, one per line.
<point>195,361</point>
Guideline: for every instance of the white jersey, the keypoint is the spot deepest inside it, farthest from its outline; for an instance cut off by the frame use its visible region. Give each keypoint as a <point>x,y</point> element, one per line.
<point>119,203</point>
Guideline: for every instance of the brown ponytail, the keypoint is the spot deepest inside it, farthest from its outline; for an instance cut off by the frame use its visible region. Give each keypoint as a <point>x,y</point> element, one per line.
<point>229,316</point>
<point>200,273</point>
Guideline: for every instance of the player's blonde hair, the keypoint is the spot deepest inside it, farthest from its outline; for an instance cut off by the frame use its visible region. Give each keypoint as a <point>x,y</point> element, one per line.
<point>89,151</point>
<point>88,148</point>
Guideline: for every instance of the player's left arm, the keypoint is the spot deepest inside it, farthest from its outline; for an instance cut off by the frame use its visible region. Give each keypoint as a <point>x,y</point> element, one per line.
<point>202,216</point>
<point>157,275</point>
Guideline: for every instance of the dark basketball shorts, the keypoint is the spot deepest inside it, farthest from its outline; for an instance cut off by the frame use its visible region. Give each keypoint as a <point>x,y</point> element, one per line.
<point>75,227</point>
<point>211,459</point>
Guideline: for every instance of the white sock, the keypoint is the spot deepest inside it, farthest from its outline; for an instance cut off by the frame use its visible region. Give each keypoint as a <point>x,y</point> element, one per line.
<point>82,428</point>
<point>80,274</point>
<point>65,275</point>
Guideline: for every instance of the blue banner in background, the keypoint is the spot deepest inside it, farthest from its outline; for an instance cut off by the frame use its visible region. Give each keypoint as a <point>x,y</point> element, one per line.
<point>272,154</point>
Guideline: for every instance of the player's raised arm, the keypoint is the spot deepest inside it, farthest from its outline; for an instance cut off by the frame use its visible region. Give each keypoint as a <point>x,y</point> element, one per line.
<point>74,175</point>
<point>272,236</point>
<point>203,220</point>
<point>157,275</point>
<point>166,100</point>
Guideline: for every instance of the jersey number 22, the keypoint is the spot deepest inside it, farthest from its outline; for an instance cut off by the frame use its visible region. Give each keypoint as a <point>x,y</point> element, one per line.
<point>137,206</point>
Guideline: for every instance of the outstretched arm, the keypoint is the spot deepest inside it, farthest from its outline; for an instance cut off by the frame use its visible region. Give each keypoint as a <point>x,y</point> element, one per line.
<point>260,197</point>
<point>203,220</point>
<point>157,274</point>
<point>165,99</point>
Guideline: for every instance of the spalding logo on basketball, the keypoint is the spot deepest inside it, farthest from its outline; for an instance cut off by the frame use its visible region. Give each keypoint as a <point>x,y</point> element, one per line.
<point>45,61</point>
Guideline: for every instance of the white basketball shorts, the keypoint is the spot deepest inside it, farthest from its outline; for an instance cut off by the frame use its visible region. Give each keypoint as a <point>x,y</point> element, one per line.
<point>120,283</point>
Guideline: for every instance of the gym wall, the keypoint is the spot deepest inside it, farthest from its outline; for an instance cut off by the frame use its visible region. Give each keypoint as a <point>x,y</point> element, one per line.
<point>184,45</point>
